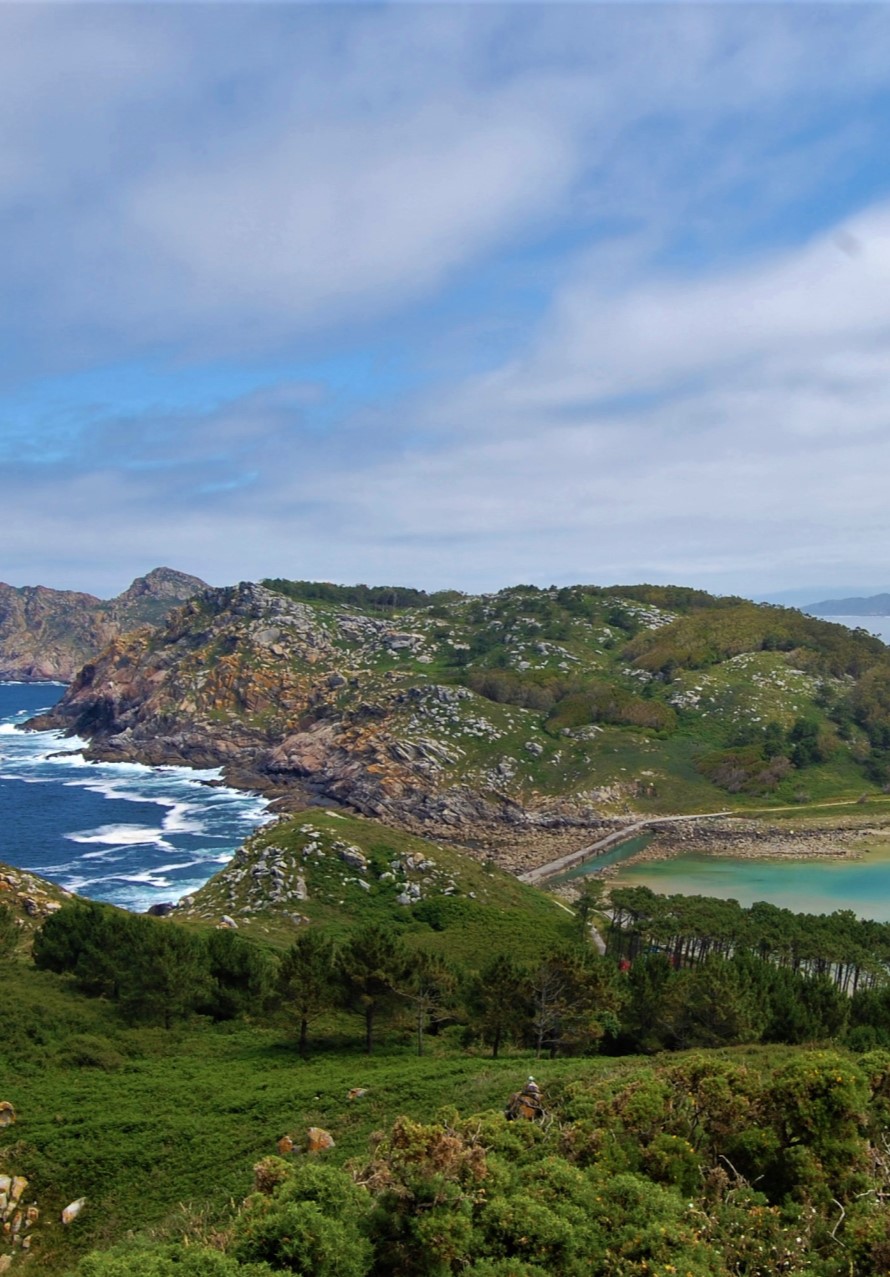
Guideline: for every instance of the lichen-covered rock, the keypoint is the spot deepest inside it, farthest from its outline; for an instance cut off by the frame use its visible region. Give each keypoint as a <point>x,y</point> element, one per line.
<point>16,1218</point>
<point>72,1210</point>
<point>353,857</point>
<point>318,1139</point>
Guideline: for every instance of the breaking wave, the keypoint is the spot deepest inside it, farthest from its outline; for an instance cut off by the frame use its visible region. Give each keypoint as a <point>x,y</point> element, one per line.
<point>142,834</point>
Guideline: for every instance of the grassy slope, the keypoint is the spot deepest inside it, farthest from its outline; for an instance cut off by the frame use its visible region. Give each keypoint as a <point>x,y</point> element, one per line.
<point>156,1127</point>
<point>159,1130</point>
<point>464,909</point>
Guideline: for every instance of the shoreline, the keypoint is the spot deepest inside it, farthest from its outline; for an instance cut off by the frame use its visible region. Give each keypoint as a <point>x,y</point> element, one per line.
<point>518,845</point>
<point>220,816</point>
<point>748,840</point>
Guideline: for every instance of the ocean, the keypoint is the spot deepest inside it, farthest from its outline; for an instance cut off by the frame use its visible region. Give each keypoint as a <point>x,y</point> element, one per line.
<point>879,625</point>
<point>120,832</point>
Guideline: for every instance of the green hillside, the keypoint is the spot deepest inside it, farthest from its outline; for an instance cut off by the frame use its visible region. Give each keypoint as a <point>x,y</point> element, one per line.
<point>506,722</point>
<point>154,1068</point>
<point>339,871</point>
<point>727,1162</point>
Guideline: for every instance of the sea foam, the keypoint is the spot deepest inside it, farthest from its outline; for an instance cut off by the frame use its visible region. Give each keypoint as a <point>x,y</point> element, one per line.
<point>178,826</point>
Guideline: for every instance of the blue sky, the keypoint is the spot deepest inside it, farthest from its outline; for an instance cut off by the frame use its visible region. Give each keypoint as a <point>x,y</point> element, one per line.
<point>446,295</point>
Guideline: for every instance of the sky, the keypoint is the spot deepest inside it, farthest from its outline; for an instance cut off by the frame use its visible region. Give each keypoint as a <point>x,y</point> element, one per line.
<point>446,295</point>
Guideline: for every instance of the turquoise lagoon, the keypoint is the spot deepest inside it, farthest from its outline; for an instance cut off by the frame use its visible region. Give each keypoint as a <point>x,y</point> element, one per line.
<point>805,886</point>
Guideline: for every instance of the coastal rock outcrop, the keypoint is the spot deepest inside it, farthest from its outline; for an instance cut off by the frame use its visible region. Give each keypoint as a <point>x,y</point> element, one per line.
<point>245,679</point>
<point>504,722</point>
<point>47,635</point>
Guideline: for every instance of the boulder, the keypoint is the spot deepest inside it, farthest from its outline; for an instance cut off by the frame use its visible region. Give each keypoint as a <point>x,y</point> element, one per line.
<point>354,858</point>
<point>7,1113</point>
<point>72,1210</point>
<point>318,1139</point>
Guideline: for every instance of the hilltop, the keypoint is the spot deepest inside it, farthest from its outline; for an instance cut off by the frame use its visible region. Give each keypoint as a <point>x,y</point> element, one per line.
<point>501,721</point>
<point>338,871</point>
<point>47,635</point>
<point>873,605</point>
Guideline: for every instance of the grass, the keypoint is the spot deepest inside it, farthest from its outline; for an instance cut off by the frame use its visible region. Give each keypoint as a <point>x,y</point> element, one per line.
<point>467,910</point>
<point>156,1128</point>
<point>159,1130</point>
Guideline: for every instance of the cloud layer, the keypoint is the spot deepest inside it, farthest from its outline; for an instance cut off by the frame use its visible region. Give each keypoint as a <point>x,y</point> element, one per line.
<point>445,295</point>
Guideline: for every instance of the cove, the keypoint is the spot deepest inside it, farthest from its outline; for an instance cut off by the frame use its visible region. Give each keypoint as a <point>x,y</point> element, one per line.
<point>120,832</point>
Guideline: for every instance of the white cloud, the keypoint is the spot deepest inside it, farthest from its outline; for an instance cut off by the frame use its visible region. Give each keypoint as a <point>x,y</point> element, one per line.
<point>753,425</point>
<point>759,456</point>
<point>210,181</point>
<point>214,179</point>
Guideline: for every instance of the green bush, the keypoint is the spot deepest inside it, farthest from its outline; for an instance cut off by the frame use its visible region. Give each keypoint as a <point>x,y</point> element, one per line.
<point>166,1261</point>
<point>311,1223</point>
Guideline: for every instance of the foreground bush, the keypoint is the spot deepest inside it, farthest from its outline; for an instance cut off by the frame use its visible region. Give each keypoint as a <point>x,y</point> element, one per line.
<point>701,1166</point>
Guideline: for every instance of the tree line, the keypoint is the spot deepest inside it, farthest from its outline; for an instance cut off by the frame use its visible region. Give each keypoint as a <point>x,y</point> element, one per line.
<point>678,972</point>
<point>853,953</point>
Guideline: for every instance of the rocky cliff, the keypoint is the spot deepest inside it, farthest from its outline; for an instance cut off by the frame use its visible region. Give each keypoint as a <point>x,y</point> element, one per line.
<point>49,634</point>
<point>512,717</point>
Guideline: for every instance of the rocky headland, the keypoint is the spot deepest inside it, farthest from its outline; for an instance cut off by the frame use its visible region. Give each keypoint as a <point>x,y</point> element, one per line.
<point>47,635</point>
<point>519,725</point>
<point>308,706</point>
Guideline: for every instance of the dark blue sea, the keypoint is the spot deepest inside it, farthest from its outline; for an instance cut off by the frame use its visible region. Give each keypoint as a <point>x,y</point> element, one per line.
<point>121,832</point>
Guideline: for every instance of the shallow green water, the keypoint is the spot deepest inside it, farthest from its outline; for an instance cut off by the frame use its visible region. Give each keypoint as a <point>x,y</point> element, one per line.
<point>612,857</point>
<point>806,886</point>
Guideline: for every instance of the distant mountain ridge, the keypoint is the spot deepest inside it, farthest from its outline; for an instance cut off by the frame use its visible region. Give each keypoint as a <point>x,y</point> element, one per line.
<point>873,605</point>
<point>49,634</point>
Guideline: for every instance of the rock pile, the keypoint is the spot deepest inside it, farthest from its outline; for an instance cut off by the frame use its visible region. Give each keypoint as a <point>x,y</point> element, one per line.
<point>16,1217</point>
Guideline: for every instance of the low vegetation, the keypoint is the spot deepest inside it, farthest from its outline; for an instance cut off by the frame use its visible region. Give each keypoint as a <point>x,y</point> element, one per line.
<point>152,1064</point>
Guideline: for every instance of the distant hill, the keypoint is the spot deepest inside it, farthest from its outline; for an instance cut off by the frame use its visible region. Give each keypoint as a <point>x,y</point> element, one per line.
<point>504,722</point>
<point>49,634</point>
<point>874,605</point>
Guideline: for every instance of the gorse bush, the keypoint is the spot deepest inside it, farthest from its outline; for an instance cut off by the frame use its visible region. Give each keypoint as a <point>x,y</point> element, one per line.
<point>167,1261</point>
<point>703,1166</point>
